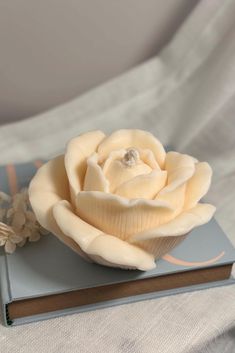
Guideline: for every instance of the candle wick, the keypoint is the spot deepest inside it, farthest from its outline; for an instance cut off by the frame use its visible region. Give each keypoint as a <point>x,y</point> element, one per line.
<point>131,157</point>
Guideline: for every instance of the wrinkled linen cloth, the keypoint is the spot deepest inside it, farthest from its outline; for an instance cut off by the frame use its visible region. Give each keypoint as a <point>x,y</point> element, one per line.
<point>186,97</point>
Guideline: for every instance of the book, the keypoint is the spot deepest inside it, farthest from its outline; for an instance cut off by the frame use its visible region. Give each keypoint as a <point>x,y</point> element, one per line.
<point>47,279</point>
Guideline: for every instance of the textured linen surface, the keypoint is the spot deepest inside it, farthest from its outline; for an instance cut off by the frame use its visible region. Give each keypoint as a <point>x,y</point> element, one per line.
<point>186,97</point>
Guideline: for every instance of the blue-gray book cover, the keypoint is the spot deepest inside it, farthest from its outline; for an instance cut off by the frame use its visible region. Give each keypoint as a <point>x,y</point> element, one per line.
<point>49,268</point>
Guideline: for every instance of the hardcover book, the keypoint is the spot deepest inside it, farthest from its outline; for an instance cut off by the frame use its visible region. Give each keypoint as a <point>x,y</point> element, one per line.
<point>46,279</point>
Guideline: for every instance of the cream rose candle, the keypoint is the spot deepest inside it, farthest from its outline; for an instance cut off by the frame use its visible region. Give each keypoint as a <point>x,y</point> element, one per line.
<point>121,200</point>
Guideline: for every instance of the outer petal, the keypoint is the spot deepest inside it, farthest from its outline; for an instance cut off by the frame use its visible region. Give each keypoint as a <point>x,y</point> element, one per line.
<point>198,185</point>
<point>132,138</point>
<point>104,248</point>
<point>175,198</point>
<point>94,178</point>
<point>159,246</point>
<point>180,168</point>
<point>182,224</point>
<point>76,155</point>
<point>143,186</point>
<point>119,216</point>
<point>49,186</point>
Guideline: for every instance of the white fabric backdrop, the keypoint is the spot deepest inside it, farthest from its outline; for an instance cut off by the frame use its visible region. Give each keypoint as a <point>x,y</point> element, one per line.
<point>186,97</point>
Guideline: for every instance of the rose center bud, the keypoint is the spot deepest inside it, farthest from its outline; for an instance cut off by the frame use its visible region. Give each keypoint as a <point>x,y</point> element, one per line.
<point>131,157</point>
<point>121,167</point>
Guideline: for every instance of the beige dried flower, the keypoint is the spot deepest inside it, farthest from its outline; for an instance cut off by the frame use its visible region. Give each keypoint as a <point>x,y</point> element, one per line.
<point>17,221</point>
<point>8,238</point>
<point>4,197</point>
<point>2,214</point>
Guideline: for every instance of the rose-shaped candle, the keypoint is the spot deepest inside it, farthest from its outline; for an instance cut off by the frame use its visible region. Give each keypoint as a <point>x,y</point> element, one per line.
<point>121,200</point>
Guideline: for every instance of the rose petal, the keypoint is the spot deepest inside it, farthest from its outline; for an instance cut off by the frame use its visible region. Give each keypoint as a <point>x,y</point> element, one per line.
<point>49,186</point>
<point>182,224</point>
<point>112,156</point>
<point>180,168</point>
<point>175,198</point>
<point>10,247</point>
<point>52,178</point>
<point>143,186</point>
<point>120,216</point>
<point>132,138</point>
<point>78,150</point>
<point>159,246</point>
<point>95,243</point>
<point>94,178</point>
<point>147,157</point>
<point>120,253</point>
<point>118,173</point>
<point>198,185</point>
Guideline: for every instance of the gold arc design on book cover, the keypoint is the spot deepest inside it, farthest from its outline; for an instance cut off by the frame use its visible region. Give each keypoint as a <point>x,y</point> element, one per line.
<point>13,187</point>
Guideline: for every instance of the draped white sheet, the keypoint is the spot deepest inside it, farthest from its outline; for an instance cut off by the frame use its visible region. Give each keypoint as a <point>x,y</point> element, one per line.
<point>186,97</point>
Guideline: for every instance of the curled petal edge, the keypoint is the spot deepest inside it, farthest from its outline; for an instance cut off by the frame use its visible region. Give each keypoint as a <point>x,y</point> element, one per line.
<point>77,152</point>
<point>198,185</point>
<point>143,186</point>
<point>49,186</point>
<point>180,168</point>
<point>123,201</point>
<point>95,243</point>
<point>182,224</point>
<point>119,216</point>
<point>94,177</point>
<point>125,138</point>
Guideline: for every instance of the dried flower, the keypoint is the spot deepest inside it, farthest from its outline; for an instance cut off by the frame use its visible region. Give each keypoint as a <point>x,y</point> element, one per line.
<point>2,214</point>
<point>4,198</point>
<point>17,221</point>
<point>8,238</point>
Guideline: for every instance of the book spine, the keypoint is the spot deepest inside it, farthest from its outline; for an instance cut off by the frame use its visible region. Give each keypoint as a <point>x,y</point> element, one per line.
<point>5,297</point>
